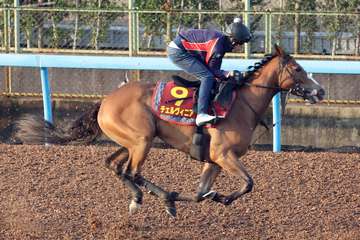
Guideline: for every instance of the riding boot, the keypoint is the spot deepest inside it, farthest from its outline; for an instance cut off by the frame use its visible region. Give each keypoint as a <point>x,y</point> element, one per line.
<point>204,101</point>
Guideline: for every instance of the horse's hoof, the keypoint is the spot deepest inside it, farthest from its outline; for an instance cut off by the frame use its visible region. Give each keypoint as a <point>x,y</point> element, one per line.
<point>214,196</point>
<point>228,201</point>
<point>210,195</point>
<point>171,211</point>
<point>133,207</point>
<point>170,208</point>
<point>151,193</point>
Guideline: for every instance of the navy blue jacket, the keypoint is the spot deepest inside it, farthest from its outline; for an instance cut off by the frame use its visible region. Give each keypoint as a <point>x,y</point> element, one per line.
<point>208,46</point>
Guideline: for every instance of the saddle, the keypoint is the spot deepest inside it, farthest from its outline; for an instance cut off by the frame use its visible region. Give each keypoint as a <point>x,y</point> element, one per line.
<point>221,93</point>
<point>175,101</point>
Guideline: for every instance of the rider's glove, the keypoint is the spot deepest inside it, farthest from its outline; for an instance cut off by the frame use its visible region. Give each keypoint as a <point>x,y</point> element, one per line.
<point>237,77</point>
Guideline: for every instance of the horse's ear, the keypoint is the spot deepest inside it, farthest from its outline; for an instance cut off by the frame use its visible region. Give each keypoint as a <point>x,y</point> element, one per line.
<point>279,50</point>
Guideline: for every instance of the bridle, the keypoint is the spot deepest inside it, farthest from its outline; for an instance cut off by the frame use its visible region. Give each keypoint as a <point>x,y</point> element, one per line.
<point>297,90</point>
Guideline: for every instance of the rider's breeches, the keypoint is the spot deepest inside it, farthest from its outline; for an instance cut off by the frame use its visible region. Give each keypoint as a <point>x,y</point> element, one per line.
<point>193,66</point>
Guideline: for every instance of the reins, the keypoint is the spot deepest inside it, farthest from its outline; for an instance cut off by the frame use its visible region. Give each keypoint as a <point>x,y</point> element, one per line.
<point>258,118</point>
<point>278,89</point>
<point>296,90</point>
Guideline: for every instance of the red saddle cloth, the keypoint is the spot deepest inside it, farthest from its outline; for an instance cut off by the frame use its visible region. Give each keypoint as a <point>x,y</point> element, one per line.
<point>174,103</point>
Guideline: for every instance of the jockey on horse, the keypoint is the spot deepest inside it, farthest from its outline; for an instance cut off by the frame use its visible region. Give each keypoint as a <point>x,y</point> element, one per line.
<point>200,52</point>
<point>127,117</point>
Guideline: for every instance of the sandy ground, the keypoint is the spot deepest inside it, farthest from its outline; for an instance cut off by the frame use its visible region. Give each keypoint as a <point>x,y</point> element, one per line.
<point>65,192</point>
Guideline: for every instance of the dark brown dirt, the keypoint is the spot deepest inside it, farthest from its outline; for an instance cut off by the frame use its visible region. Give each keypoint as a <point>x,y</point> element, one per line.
<point>60,192</point>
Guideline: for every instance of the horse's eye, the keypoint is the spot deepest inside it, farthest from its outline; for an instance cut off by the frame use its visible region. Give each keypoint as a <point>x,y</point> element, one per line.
<point>298,69</point>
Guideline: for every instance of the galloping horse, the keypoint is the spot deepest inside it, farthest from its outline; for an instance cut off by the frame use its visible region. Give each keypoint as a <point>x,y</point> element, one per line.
<point>125,116</point>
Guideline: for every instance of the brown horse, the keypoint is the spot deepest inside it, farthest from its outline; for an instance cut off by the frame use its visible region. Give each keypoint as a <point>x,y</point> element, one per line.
<point>125,116</point>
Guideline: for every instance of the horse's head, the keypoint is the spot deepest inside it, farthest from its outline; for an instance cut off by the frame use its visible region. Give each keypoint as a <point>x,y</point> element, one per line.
<point>294,78</point>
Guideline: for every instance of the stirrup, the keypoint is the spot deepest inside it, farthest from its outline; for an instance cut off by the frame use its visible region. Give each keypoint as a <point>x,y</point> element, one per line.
<point>204,118</point>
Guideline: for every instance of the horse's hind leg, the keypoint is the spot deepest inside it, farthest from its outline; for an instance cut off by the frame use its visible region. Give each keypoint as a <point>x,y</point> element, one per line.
<point>136,135</point>
<point>138,154</point>
<point>131,177</point>
<point>115,162</point>
<point>168,197</point>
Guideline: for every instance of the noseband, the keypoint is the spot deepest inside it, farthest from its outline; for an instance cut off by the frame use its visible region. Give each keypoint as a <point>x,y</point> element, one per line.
<point>297,90</point>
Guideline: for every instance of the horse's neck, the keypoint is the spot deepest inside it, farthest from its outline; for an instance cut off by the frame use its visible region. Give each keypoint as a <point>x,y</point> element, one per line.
<point>259,98</point>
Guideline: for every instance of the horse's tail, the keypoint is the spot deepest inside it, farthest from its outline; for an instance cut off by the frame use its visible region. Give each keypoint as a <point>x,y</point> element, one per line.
<point>34,130</point>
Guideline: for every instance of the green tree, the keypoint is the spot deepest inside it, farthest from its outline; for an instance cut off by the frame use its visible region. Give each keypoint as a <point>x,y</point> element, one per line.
<point>303,23</point>
<point>28,22</point>
<point>164,24</point>
<point>155,24</point>
<point>99,22</point>
<point>338,25</point>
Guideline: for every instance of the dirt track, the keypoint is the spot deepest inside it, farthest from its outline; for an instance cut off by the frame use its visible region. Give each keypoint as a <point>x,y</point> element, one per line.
<point>67,193</point>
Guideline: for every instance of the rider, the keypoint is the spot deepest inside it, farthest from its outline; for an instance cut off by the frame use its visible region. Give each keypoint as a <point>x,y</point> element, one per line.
<point>199,52</point>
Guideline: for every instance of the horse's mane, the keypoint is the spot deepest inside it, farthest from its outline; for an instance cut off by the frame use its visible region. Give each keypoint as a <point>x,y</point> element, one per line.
<point>251,70</point>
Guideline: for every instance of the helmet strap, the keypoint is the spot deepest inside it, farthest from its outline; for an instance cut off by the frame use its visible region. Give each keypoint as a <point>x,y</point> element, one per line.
<point>234,43</point>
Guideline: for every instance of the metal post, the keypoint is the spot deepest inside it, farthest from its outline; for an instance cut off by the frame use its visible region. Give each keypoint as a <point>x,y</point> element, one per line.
<point>247,23</point>
<point>16,26</point>
<point>46,91</point>
<point>266,44</point>
<point>276,118</point>
<point>277,123</point>
<point>136,33</point>
<point>270,33</point>
<point>7,70</point>
<point>133,35</point>
<point>131,20</point>
<point>136,40</point>
<point>133,30</point>
<point>268,40</point>
<point>199,15</point>
<point>6,30</point>
<point>297,30</point>
<point>168,27</point>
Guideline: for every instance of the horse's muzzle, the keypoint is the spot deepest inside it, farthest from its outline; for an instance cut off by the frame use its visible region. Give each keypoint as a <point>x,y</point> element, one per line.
<point>314,95</point>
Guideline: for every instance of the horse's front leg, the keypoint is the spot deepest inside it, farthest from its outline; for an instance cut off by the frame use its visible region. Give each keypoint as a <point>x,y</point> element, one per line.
<point>231,164</point>
<point>208,176</point>
<point>209,173</point>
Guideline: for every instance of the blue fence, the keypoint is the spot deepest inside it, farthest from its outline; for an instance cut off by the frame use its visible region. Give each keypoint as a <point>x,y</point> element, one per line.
<point>43,62</point>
